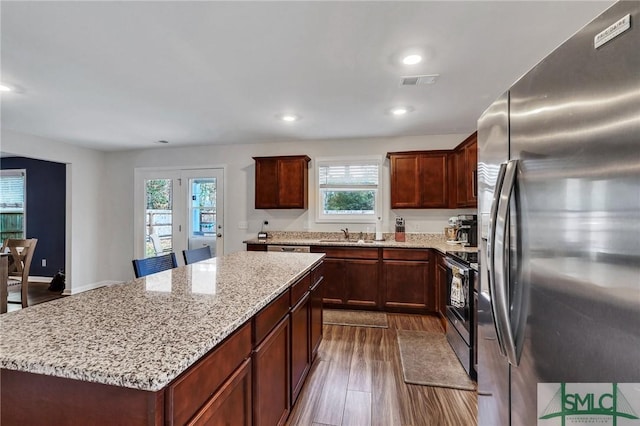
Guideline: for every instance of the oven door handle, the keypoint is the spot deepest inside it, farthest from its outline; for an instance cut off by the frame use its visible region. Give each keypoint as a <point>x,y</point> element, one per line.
<point>501,263</point>
<point>452,265</point>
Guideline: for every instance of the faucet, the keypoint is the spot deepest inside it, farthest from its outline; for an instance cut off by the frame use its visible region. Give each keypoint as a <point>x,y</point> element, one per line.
<point>346,233</point>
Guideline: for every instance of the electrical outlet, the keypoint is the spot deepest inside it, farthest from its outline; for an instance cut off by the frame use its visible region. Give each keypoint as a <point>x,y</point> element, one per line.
<point>44,262</point>
<point>243,225</point>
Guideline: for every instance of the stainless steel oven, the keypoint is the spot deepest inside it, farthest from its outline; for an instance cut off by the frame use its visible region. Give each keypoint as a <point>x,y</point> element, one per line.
<point>460,306</point>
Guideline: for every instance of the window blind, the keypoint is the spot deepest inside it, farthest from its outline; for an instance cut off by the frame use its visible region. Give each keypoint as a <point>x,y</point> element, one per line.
<point>12,189</point>
<point>348,175</point>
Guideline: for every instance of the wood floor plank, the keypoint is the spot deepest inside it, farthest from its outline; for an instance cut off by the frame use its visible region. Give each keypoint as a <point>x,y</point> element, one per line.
<point>360,370</point>
<point>304,410</point>
<point>357,409</point>
<point>385,402</point>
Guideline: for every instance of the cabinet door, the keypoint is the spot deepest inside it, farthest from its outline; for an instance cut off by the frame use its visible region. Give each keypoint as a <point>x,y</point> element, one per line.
<point>300,346</point>
<point>316,317</point>
<point>433,179</point>
<point>266,183</point>
<point>334,289</point>
<point>271,377</point>
<point>441,286</point>
<point>292,183</point>
<point>406,285</point>
<point>361,279</point>
<point>405,181</point>
<point>461,178</point>
<point>230,404</point>
<point>472,173</point>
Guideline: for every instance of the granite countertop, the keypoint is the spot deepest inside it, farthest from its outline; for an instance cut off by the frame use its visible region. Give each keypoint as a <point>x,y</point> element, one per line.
<point>144,333</point>
<point>413,240</point>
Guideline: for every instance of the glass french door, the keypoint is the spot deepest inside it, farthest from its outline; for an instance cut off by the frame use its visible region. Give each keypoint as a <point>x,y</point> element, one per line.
<point>178,210</point>
<point>205,208</point>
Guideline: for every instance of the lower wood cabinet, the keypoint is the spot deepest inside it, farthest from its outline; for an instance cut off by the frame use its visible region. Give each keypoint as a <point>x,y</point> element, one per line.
<point>185,395</point>
<point>352,277</point>
<point>407,284</point>
<point>315,308</point>
<point>272,377</point>
<point>232,401</point>
<point>300,345</point>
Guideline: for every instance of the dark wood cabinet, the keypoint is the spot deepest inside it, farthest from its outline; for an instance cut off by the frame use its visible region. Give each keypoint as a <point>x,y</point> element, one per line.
<point>281,182</point>
<point>300,344</point>
<point>316,296</point>
<point>435,179</point>
<point>442,287</point>
<point>407,283</point>
<point>272,377</point>
<point>466,165</point>
<point>232,401</point>
<point>419,179</point>
<point>351,277</point>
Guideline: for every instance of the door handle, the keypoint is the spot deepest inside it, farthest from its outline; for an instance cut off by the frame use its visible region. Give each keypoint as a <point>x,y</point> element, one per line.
<point>491,267</point>
<point>219,235</point>
<point>501,265</point>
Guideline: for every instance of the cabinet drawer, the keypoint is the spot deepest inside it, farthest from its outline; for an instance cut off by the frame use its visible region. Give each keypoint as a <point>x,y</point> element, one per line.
<point>193,388</point>
<point>269,316</point>
<point>300,288</point>
<point>347,252</point>
<point>405,254</point>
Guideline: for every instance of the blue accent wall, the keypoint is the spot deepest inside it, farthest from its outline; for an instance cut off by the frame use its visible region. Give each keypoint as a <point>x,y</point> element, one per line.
<point>46,209</point>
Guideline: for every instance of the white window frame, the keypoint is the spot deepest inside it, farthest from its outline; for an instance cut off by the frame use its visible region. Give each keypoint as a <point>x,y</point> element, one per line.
<point>22,173</point>
<point>353,218</point>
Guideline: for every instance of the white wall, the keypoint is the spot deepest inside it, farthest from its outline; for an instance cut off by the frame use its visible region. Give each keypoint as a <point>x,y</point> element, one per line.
<point>85,215</point>
<point>239,189</point>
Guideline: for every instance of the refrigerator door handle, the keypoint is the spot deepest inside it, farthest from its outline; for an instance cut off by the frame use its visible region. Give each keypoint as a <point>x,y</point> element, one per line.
<point>501,258</point>
<point>491,264</point>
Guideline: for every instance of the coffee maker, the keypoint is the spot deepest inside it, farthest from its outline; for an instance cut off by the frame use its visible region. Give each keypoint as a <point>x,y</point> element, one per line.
<point>468,230</point>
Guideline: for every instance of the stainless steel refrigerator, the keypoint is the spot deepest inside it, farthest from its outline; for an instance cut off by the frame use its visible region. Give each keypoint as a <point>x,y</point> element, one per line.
<point>559,225</point>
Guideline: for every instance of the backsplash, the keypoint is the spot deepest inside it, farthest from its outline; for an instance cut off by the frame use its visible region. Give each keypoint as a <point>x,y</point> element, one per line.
<point>388,236</point>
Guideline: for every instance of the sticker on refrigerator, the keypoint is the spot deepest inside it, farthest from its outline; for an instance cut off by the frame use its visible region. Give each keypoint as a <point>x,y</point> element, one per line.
<point>588,404</point>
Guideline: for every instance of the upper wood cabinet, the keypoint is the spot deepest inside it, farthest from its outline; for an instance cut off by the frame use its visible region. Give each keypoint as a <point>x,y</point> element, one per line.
<point>419,179</point>
<point>466,164</point>
<point>282,182</point>
<point>435,179</point>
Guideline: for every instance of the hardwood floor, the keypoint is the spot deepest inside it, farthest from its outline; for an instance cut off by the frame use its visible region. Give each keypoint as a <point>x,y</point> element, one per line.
<point>38,293</point>
<point>357,380</point>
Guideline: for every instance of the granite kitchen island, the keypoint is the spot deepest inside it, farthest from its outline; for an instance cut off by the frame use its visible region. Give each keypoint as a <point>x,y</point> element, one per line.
<point>229,337</point>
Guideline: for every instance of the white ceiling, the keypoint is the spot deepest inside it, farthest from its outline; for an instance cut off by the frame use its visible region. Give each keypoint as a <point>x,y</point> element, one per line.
<point>122,75</point>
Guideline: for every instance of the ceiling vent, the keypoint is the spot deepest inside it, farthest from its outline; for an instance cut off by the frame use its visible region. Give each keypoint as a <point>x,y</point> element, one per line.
<point>418,80</point>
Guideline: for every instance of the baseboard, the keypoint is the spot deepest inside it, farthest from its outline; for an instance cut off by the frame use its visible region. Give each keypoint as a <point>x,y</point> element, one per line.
<point>87,287</point>
<point>37,279</point>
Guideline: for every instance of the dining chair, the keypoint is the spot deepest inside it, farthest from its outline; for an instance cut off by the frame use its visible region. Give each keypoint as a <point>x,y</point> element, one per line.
<point>21,253</point>
<point>196,255</point>
<point>151,265</point>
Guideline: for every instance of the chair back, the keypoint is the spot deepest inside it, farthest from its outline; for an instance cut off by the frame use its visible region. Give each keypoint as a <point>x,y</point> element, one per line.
<point>151,265</point>
<point>21,252</point>
<point>196,255</point>
<point>155,241</point>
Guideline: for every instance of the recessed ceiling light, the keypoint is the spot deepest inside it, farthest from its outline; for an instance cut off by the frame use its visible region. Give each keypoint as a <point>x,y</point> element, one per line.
<point>5,88</point>
<point>162,142</point>
<point>289,117</point>
<point>412,59</point>
<point>398,111</point>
